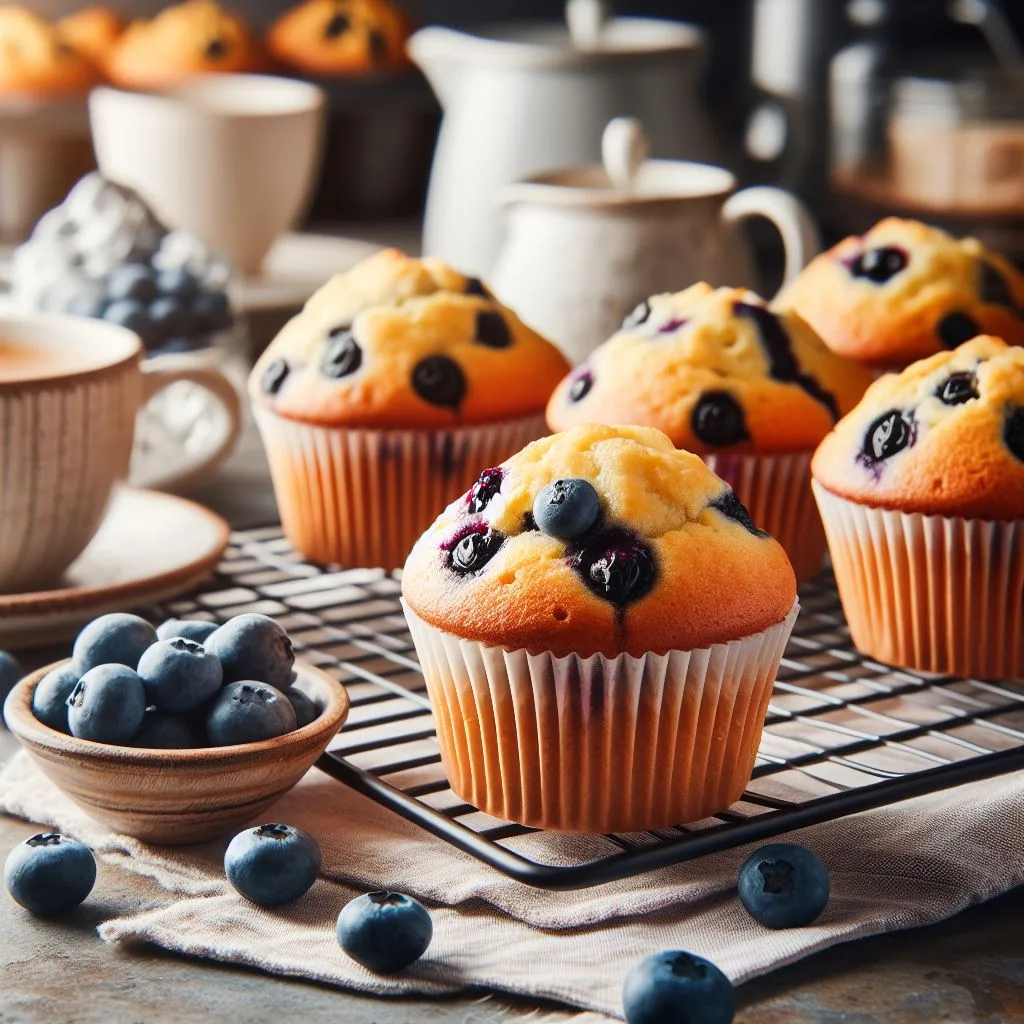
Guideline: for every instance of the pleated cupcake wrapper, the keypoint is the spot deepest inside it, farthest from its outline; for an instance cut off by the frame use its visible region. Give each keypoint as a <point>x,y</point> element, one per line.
<point>776,490</point>
<point>599,744</point>
<point>362,497</point>
<point>931,593</point>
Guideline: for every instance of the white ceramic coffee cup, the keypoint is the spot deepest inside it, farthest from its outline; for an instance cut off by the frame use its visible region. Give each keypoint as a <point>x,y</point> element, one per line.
<point>231,158</point>
<point>67,418</point>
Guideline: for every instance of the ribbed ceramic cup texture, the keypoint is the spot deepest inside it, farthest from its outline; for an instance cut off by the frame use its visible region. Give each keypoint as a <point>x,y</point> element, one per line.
<point>362,497</point>
<point>64,443</point>
<point>776,490</point>
<point>598,744</point>
<point>932,593</point>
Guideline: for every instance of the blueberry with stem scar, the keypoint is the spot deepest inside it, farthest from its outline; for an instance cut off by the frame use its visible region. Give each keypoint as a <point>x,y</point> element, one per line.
<point>567,509</point>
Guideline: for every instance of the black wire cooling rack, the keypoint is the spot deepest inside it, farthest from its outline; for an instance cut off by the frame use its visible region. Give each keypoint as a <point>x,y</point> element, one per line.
<point>843,733</point>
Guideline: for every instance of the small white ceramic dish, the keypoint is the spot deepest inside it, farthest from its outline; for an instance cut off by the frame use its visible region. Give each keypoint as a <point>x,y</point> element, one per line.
<point>151,547</point>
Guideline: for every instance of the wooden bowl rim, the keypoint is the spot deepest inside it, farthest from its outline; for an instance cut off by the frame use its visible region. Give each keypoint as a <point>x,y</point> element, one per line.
<point>34,733</point>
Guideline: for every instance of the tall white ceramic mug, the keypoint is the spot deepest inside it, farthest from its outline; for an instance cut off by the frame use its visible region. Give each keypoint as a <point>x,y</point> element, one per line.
<point>70,391</point>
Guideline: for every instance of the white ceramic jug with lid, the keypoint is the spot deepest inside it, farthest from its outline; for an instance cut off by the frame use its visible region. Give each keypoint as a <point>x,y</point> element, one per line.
<point>523,98</point>
<point>586,244</point>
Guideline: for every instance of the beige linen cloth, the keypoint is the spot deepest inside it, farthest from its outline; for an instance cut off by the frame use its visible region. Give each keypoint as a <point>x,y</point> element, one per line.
<point>903,865</point>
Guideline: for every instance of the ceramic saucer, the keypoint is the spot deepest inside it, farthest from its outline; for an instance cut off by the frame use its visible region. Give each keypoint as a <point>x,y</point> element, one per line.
<point>151,547</point>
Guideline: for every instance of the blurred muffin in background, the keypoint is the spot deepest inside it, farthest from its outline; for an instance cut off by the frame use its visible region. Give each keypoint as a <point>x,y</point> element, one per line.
<point>192,38</point>
<point>340,37</point>
<point>92,31</point>
<point>905,291</point>
<point>35,60</point>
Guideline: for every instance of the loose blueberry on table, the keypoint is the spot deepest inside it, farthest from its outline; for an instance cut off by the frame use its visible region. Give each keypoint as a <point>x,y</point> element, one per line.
<point>676,987</point>
<point>783,885</point>
<point>273,864</point>
<point>385,931</point>
<point>49,874</point>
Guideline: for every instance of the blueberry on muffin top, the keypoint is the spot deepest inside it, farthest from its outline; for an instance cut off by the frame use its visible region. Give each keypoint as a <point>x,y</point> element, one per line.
<point>403,342</point>
<point>905,291</point>
<point>599,539</point>
<point>944,437</point>
<point>714,369</point>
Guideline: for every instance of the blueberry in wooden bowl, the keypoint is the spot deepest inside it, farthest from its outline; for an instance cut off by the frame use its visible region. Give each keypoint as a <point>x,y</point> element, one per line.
<point>178,796</point>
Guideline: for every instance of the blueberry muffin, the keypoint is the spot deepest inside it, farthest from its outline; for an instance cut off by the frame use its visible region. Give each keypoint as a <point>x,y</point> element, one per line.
<point>750,390</point>
<point>558,608</point>
<point>92,31</point>
<point>340,37</point>
<point>35,60</point>
<point>921,489</point>
<point>382,399</point>
<point>905,291</point>
<point>192,38</point>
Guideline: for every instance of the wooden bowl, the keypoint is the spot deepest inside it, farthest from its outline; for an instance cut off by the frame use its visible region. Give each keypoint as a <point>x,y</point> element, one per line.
<point>176,797</point>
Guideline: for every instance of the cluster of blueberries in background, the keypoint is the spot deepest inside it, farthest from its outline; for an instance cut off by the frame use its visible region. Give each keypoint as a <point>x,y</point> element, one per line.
<point>186,684</point>
<point>178,684</point>
<point>169,310</point>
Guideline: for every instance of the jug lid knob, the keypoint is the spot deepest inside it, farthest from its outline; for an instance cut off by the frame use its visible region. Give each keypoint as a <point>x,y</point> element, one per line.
<point>586,21</point>
<point>624,149</point>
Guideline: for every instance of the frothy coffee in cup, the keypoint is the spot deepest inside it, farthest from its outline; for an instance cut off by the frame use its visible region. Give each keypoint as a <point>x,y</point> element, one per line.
<point>19,362</point>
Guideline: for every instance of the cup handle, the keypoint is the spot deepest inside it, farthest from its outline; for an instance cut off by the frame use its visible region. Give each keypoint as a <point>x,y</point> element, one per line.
<point>794,222</point>
<point>171,369</point>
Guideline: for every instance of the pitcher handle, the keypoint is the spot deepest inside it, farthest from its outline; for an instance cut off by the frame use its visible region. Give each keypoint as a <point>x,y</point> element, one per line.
<point>794,221</point>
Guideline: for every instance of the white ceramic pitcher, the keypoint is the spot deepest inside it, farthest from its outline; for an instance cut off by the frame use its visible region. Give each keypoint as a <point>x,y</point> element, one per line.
<point>586,244</point>
<point>522,98</point>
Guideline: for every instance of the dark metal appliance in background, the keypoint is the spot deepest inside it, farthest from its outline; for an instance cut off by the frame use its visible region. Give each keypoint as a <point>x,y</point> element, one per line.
<point>868,107</point>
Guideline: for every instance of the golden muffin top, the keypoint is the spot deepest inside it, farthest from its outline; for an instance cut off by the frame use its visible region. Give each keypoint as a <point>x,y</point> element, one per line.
<point>92,30</point>
<point>599,539</point>
<point>35,59</point>
<point>905,291</point>
<point>944,437</point>
<point>716,370</point>
<point>340,37</point>
<point>404,342</point>
<point>191,38</point>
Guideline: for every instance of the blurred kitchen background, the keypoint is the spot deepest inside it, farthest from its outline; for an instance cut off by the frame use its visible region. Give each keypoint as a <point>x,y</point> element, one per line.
<point>859,106</point>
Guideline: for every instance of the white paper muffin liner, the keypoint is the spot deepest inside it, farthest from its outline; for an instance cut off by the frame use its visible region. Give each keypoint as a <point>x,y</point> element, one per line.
<point>932,593</point>
<point>598,744</point>
<point>362,497</point>
<point>776,490</point>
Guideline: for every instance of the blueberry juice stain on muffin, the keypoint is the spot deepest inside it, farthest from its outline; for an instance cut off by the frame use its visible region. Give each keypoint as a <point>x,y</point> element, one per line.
<point>783,365</point>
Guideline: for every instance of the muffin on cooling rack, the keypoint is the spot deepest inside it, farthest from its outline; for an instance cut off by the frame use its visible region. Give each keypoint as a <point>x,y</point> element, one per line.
<point>92,31</point>
<point>192,38</point>
<point>383,399</point>
<point>750,390</point>
<point>599,624</point>
<point>921,489</point>
<point>340,37</point>
<point>905,291</point>
<point>36,61</point>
